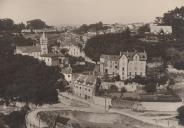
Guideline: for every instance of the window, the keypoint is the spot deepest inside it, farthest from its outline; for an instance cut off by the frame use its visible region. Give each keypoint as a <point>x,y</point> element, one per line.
<point>135,73</point>
<point>68,76</point>
<point>116,66</point>
<point>123,69</point>
<point>89,90</point>
<point>80,87</point>
<point>130,73</point>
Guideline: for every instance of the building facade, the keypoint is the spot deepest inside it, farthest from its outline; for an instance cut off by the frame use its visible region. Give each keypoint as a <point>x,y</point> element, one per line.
<point>41,53</point>
<point>84,86</point>
<point>127,65</point>
<point>67,72</point>
<point>109,64</point>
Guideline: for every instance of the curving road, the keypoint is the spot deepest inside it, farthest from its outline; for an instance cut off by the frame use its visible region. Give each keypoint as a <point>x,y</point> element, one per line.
<point>33,120</point>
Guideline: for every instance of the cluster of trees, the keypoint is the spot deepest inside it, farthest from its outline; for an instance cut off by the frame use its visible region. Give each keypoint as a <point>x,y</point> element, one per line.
<point>175,18</point>
<point>112,44</point>
<point>143,29</point>
<point>37,24</point>
<point>176,57</point>
<point>10,26</point>
<point>92,27</point>
<point>9,41</point>
<point>26,79</point>
<point>150,83</point>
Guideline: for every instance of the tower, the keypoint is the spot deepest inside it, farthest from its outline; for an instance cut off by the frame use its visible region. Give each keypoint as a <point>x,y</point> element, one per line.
<point>44,44</point>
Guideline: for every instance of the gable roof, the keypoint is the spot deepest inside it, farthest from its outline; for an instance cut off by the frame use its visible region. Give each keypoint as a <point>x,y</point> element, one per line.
<point>87,79</point>
<point>110,57</point>
<point>29,49</point>
<point>52,55</point>
<point>67,70</point>
<point>130,55</point>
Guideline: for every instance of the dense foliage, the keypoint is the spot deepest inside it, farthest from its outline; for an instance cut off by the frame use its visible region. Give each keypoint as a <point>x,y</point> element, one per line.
<point>92,27</point>
<point>175,18</point>
<point>8,25</point>
<point>181,115</point>
<point>114,43</point>
<point>36,24</point>
<point>26,79</point>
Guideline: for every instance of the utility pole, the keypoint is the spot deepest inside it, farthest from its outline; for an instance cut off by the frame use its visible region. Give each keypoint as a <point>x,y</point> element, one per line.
<point>105,100</point>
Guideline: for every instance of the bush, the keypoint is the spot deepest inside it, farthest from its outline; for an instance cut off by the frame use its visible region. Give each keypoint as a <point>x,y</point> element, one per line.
<point>181,115</point>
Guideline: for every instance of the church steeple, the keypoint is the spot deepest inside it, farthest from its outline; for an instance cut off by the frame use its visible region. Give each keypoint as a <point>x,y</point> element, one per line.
<point>44,44</point>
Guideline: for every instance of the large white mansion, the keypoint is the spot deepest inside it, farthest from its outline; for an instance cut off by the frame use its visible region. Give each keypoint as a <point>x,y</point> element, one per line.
<point>126,65</point>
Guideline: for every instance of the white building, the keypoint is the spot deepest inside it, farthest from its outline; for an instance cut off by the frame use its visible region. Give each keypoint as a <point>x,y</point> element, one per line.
<point>67,72</point>
<point>155,29</point>
<point>84,86</point>
<point>41,52</point>
<point>127,65</point>
<point>74,50</point>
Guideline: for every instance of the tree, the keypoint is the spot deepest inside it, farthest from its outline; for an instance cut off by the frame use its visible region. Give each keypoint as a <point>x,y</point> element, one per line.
<point>181,115</point>
<point>19,27</point>
<point>123,90</point>
<point>26,79</point>
<point>143,29</point>
<point>113,88</point>
<point>36,24</point>
<point>98,85</point>
<point>150,86</point>
<point>6,24</point>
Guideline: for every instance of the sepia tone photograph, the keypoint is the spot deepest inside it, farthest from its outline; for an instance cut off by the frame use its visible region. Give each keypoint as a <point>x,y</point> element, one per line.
<point>91,63</point>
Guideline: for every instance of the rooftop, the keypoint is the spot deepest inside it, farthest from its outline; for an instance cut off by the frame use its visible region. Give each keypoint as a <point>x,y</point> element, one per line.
<point>52,55</point>
<point>130,55</point>
<point>29,49</point>
<point>67,70</point>
<point>110,57</point>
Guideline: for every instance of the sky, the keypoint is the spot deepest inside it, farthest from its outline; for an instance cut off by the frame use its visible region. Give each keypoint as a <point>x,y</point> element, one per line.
<point>58,12</point>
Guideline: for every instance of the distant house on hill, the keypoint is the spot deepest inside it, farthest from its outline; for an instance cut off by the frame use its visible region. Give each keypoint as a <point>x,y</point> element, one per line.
<point>155,29</point>
<point>73,43</point>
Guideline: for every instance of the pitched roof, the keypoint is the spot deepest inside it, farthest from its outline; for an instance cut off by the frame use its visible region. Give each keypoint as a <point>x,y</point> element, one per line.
<point>130,55</point>
<point>52,55</point>
<point>110,57</point>
<point>87,79</point>
<point>67,70</point>
<point>91,79</point>
<point>29,49</point>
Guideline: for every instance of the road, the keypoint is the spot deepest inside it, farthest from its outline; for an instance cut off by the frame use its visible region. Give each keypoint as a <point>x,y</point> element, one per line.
<point>66,105</point>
